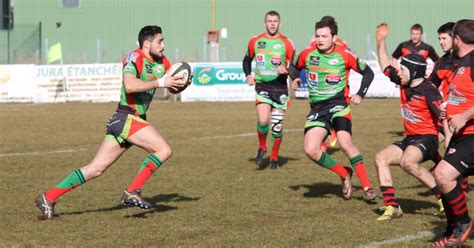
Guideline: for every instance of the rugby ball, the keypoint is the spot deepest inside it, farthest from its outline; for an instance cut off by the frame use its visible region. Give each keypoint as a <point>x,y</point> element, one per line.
<point>184,70</point>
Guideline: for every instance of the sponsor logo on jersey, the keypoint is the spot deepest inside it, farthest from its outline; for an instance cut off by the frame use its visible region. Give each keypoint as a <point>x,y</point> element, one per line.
<point>159,69</point>
<point>261,44</point>
<point>314,60</point>
<point>460,70</point>
<point>312,78</point>
<point>333,79</point>
<point>313,117</point>
<point>260,59</point>
<point>333,61</point>
<point>336,109</point>
<point>455,97</point>
<point>408,114</point>
<point>148,68</point>
<point>422,52</point>
<point>132,57</point>
<point>277,46</point>
<point>276,61</point>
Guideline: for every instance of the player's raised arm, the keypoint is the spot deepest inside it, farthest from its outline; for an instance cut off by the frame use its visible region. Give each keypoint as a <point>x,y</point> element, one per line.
<point>381,33</point>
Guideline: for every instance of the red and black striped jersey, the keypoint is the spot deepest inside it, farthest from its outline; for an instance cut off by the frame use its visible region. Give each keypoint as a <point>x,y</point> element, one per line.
<point>420,106</point>
<point>443,72</point>
<point>461,91</point>
<point>408,47</point>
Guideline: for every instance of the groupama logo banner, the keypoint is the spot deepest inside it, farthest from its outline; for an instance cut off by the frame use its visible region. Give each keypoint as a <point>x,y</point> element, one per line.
<point>218,74</point>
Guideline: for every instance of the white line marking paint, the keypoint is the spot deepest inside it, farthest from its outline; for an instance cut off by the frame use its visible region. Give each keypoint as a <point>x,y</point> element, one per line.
<point>40,153</point>
<point>241,135</point>
<point>406,238</point>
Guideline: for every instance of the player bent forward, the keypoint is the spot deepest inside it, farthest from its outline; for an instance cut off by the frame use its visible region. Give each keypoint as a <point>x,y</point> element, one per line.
<point>143,71</point>
<point>420,102</point>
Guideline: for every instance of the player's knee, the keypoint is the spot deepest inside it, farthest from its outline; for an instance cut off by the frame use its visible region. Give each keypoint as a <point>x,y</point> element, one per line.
<point>92,171</point>
<point>164,153</point>
<point>380,160</point>
<point>277,130</point>
<point>313,152</point>
<point>277,124</point>
<point>410,166</point>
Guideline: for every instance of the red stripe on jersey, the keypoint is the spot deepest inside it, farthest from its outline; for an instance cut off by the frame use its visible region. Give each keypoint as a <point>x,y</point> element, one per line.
<point>251,46</point>
<point>405,52</point>
<point>461,95</point>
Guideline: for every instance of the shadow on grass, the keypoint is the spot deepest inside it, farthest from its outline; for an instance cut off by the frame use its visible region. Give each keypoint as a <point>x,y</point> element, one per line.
<point>411,206</point>
<point>325,190</point>
<point>396,133</point>
<point>155,200</point>
<point>281,162</point>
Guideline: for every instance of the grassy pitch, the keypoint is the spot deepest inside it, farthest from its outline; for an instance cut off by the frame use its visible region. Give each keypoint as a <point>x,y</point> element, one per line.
<point>210,192</point>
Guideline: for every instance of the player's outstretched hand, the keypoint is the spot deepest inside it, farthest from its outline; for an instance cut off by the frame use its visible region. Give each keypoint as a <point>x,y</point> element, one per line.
<point>250,80</point>
<point>381,31</point>
<point>356,99</point>
<point>296,83</point>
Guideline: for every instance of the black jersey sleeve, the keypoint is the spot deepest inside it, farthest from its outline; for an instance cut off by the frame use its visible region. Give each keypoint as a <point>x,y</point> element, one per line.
<point>434,100</point>
<point>391,73</point>
<point>432,54</point>
<point>247,65</point>
<point>367,78</point>
<point>398,51</point>
<point>434,77</point>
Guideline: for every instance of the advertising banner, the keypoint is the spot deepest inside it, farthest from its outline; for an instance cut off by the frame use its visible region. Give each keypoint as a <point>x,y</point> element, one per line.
<point>17,83</point>
<point>88,82</point>
<point>218,82</point>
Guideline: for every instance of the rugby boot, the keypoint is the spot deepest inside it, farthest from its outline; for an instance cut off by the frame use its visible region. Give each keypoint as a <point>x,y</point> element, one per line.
<point>274,164</point>
<point>259,157</point>
<point>45,206</point>
<point>390,213</point>
<point>134,199</point>
<point>347,185</point>
<point>369,194</point>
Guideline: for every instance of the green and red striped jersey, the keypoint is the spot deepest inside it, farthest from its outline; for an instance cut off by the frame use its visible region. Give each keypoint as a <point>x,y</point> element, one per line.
<point>146,69</point>
<point>269,53</point>
<point>328,73</point>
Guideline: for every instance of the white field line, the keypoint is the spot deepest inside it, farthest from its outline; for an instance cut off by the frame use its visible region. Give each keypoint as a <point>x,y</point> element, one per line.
<point>241,135</point>
<point>40,153</point>
<point>406,238</point>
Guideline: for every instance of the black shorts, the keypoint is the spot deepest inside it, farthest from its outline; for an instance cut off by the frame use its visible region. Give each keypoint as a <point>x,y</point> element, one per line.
<point>460,154</point>
<point>277,97</point>
<point>336,114</point>
<point>428,145</point>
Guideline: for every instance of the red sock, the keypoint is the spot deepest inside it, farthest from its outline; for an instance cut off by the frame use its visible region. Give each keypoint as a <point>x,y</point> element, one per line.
<point>340,170</point>
<point>276,148</point>
<point>262,140</point>
<point>389,198</point>
<point>142,176</point>
<point>362,174</point>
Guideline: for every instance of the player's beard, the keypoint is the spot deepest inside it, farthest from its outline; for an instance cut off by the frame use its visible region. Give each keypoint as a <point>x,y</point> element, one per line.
<point>272,34</point>
<point>156,57</point>
<point>455,49</point>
